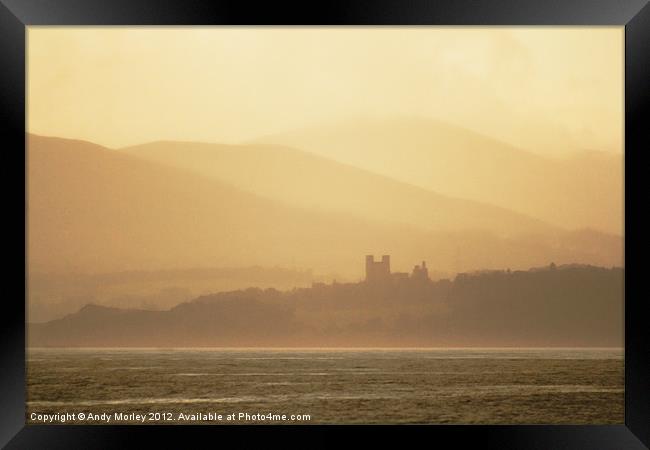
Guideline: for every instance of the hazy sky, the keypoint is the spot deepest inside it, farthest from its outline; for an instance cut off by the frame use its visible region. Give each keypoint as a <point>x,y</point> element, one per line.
<point>550,90</point>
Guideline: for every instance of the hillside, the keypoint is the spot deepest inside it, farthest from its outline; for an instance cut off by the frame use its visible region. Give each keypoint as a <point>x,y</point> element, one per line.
<point>91,209</point>
<point>309,181</point>
<point>581,191</point>
<point>54,295</point>
<point>564,306</point>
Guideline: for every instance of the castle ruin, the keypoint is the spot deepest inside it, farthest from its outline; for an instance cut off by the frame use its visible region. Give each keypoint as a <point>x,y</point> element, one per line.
<point>379,271</point>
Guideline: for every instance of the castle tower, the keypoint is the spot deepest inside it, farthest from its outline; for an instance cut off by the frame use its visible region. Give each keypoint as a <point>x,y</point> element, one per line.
<point>377,270</point>
<point>370,260</point>
<point>385,265</point>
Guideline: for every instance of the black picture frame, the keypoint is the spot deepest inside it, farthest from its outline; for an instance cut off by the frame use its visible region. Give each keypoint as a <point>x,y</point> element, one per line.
<point>15,15</point>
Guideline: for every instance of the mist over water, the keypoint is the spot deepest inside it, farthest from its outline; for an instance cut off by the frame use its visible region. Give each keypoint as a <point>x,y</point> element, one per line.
<point>464,386</point>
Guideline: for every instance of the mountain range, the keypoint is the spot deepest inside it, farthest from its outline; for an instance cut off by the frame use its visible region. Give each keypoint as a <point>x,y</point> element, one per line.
<point>171,205</point>
<point>581,190</point>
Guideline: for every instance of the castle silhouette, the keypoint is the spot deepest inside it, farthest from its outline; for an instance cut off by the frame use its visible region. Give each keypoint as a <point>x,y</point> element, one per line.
<point>379,271</point>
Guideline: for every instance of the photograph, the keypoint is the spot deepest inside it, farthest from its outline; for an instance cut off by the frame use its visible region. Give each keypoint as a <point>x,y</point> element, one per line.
<point>305,225</point>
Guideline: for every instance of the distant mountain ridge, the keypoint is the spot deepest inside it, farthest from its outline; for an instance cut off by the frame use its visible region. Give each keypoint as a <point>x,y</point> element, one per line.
<point>91,209</point>
<point>310,181</point>
<point>53,295</point>
<point>584,190</point>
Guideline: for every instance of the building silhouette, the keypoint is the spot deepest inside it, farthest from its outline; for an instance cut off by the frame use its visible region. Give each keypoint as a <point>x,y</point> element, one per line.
<point>420,272</point>
<point>379,271</point>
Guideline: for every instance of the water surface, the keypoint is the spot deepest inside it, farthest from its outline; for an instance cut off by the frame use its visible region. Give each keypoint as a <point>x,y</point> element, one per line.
<point>460,386</point>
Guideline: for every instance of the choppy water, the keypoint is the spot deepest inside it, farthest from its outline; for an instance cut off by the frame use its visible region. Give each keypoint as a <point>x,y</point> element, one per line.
<point>463,386</point>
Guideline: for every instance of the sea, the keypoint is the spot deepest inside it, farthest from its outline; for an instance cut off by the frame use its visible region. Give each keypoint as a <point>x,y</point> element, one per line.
<point>325,386</point>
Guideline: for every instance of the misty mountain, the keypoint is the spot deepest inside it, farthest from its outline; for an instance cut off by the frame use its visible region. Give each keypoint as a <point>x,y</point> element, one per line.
<point>584,190</point>
<point>554,306</point>
<point>310,181</point>
<point>91,209</point>
<point>54,295</point>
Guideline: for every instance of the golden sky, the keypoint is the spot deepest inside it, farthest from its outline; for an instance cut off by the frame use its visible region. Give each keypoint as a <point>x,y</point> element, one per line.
<point>548,90</point>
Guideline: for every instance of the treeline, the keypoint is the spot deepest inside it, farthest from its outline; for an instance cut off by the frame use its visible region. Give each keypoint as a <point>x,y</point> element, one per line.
<point>563,306</point>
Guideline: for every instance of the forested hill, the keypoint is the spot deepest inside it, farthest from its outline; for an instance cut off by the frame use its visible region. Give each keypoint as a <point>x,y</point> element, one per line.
<point>551,306</point>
